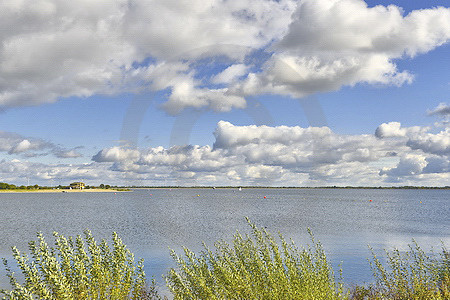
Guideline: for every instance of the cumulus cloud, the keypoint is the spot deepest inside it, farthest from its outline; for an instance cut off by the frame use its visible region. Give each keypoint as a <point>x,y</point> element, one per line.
<point>54,49</point>
<point>286,155</point>
<point>417,138</point>
<point>408,165</point>
<point>15,144</point>
<point>116,154</point>
<point>438,143</point>
<point>230,74</point>
<point>19,171</point>
<point>22,146</point>
<point>325,26</point>
<point>253,155</point>
<point>394,129</point>
<point>428,153</point>
<point>335,43</point>
<point>443,109</point>
<point>187,95</point>
<point>443,112</point>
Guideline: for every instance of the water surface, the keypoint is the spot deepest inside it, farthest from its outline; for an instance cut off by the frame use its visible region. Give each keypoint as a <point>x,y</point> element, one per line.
<point>149,221</point>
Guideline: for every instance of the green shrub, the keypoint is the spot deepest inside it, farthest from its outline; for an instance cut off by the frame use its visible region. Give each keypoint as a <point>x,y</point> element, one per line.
<point>255,267</point>
<point>69,271</point>
<point>411,275</point>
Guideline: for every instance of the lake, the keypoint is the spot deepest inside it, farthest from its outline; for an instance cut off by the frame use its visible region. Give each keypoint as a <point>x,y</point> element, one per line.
<point>151,220</point>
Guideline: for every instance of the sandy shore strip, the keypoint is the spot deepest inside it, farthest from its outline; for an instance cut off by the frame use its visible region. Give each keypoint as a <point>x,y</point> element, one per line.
<point>63,191</point>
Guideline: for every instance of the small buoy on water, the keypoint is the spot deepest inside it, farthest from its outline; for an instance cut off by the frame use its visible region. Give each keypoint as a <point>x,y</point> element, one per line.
<point>151,194</point>
<point>370,200</point>
<point>198,195</point>
<point>115,193</point>
<point>264,197</point>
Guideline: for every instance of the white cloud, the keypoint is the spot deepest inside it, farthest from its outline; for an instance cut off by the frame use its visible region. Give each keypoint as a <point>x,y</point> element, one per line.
<point>19,172</point>
<point>299,76</point>
<point>391,129</point>
<point>55,49</point>
<point>228,135</point>
<point>428,153</point>
<point>185,94</point>
<point>58,49</point>
<point>335,43</point>
<point>350,26</point>
<point>443,109</point>
<point>432,143</point>
<point>22,146</point>
<point>290,156</point>
<point>15,144</point>
<point>116,154</point>
<point>253,155</point>
<point>408,165</point>
<point>443,112</point>
<point>230,74</point>
<point>417,138</point>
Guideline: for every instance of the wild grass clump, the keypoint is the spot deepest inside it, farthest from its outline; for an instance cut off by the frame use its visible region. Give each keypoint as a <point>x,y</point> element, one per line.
<point>255,267</point>
<point>409,275</point>
<point>70,271</point>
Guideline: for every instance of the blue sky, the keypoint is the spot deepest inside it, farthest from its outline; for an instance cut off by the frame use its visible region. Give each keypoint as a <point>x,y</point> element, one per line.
<point>286,93</point>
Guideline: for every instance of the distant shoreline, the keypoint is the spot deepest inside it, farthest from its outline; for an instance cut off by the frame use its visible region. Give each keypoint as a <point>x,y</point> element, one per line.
<point>130,189</point>
<point>63,191</point>
<point>296,187</point>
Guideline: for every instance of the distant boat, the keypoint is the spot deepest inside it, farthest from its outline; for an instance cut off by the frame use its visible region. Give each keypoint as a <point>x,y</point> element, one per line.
<point>240,189</point>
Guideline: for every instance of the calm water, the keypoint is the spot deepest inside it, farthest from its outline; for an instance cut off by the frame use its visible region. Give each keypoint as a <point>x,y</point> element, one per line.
<point>150,221</point>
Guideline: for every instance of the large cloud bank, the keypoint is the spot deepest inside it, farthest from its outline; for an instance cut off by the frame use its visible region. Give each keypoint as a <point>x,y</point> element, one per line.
<point>263,155</point>
<point>254,155</point>
<point>55,49</point>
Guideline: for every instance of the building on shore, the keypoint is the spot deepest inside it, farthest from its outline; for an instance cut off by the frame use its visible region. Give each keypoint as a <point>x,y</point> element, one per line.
<point>77,186</point>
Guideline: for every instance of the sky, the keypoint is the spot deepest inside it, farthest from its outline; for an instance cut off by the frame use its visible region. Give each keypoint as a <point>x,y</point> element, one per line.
<point>219,93</point>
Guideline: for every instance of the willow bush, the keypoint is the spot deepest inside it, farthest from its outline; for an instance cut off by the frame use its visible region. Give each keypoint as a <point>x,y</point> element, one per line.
<point>70,271</point>
<point>410,275</point>
<point>255,267</point>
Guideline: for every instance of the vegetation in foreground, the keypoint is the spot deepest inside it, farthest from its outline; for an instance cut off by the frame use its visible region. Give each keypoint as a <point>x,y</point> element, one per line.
<point>409,275</point>
<point>71,271</point>
<point>255,266</point>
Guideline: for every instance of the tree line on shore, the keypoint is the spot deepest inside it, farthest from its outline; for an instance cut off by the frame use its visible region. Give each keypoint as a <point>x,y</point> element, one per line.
<point>8,186</point>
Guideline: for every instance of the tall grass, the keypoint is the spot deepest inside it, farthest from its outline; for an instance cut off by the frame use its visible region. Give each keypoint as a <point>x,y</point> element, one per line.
<point>70,271</point>
<point>255,267</point>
